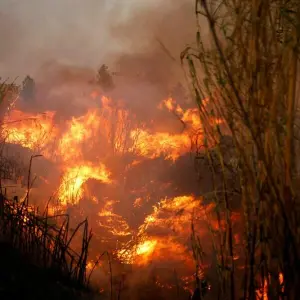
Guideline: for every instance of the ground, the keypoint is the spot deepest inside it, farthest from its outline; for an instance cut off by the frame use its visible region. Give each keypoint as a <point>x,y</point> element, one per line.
<point>21,280</point>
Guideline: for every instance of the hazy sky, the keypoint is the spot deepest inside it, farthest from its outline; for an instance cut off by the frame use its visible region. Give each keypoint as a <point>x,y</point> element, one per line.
<point>81,32</point>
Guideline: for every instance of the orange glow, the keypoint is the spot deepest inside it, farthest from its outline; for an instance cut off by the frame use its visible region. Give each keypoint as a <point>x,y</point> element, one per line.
<point>140,254</point>
<point>262,293</point>
<point>94,95</point>
<point>161,143</point>
<point>175,214</point>
<point>146,247</point>
<point>79,130</point>
<point>114,223</point>
<point>104,143</point>
<point>30,131</point>
<point>75,177</point>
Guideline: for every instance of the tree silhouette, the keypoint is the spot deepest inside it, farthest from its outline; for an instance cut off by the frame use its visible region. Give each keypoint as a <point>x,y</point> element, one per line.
<point>28,89</point>
<point>104,78</point>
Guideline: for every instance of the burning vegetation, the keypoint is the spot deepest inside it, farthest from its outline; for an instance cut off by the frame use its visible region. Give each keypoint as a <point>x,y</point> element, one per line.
<point>126,165</point>
<point>112,167</point>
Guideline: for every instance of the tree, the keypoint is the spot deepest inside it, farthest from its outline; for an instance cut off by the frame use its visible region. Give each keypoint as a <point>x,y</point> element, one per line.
<point>28,89</point>
<point>104,79</point>
<point>9,93</point>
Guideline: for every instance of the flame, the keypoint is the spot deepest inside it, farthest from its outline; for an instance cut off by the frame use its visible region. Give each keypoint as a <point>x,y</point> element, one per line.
<point>90,265</point>
<point>180,208</point>
<point>262,293</point>
<point>113,222</point>
<point>172,146</point>
<point>161,143</point>
<point>146,247</point>
<point>110,123</point>
<point>141,253</point>
<point>34,131</point>
<point>155,248</point>
<point>94,94</point>
<point>75,177</point>
<point>138,202</point>
<point>29,131</point>
<point>169,214</point>
<point>190,116</point>
<point>79,130</point>
<point>84,147</point>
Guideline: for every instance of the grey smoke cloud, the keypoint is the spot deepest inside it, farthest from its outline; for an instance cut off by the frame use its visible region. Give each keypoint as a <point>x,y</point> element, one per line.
<point>70,31</point>
<point>87,33</point>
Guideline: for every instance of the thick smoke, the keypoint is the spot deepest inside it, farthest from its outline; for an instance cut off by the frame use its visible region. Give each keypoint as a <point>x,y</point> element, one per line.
<point>88,33</point>
<point>33,32</point>
<point>61,44</point>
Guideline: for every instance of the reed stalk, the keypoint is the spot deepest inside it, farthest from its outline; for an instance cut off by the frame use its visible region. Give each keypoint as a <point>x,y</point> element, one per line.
<point>247,65</point>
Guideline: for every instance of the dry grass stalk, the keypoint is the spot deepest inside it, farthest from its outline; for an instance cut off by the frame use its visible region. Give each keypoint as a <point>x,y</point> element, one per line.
<point>49,245</point>
<point>249,71</point>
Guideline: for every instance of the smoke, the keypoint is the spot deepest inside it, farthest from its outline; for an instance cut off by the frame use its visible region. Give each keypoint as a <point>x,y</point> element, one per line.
<point>62,43</point>
<point>89,33</point>
<point>72,32</point>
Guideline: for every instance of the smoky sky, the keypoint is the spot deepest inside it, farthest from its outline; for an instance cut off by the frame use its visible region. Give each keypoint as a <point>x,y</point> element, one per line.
<point>90,32</point>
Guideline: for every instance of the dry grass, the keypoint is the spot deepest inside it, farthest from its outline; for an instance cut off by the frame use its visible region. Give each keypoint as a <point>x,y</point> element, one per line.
<point>42,238</point>
<point>248,67</point>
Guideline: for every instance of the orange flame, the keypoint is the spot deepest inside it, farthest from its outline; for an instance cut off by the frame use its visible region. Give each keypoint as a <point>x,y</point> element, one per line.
<point>30,131</point>
<point>75,177</point>
<point>82,151</point>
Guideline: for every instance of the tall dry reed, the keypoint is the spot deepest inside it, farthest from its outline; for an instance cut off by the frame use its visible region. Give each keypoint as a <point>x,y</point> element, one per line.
<point>247,65</point>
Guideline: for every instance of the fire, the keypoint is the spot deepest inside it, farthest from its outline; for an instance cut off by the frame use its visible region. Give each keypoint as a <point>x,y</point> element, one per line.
<point>155,248</point>
<point>110,123</point>
<point>169,214</point>
<point>191,119</point>
<point>105,143</point>
<point>161,143</point>
<point>30,131</point>
<point>262,293</point>
<point>79,130</point>
<point>89,265</point>
<point>140,254</point>
<point>179,207</point>
<point>172,146</point>
<point>75,177</point>
<point>190,116</point>
<point>138,202</point>
<point>146,247</point>
<point>113,222</point>
<point>94,95</point>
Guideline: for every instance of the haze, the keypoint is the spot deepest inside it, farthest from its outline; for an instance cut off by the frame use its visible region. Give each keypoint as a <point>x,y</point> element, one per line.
<point>87,33</point>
